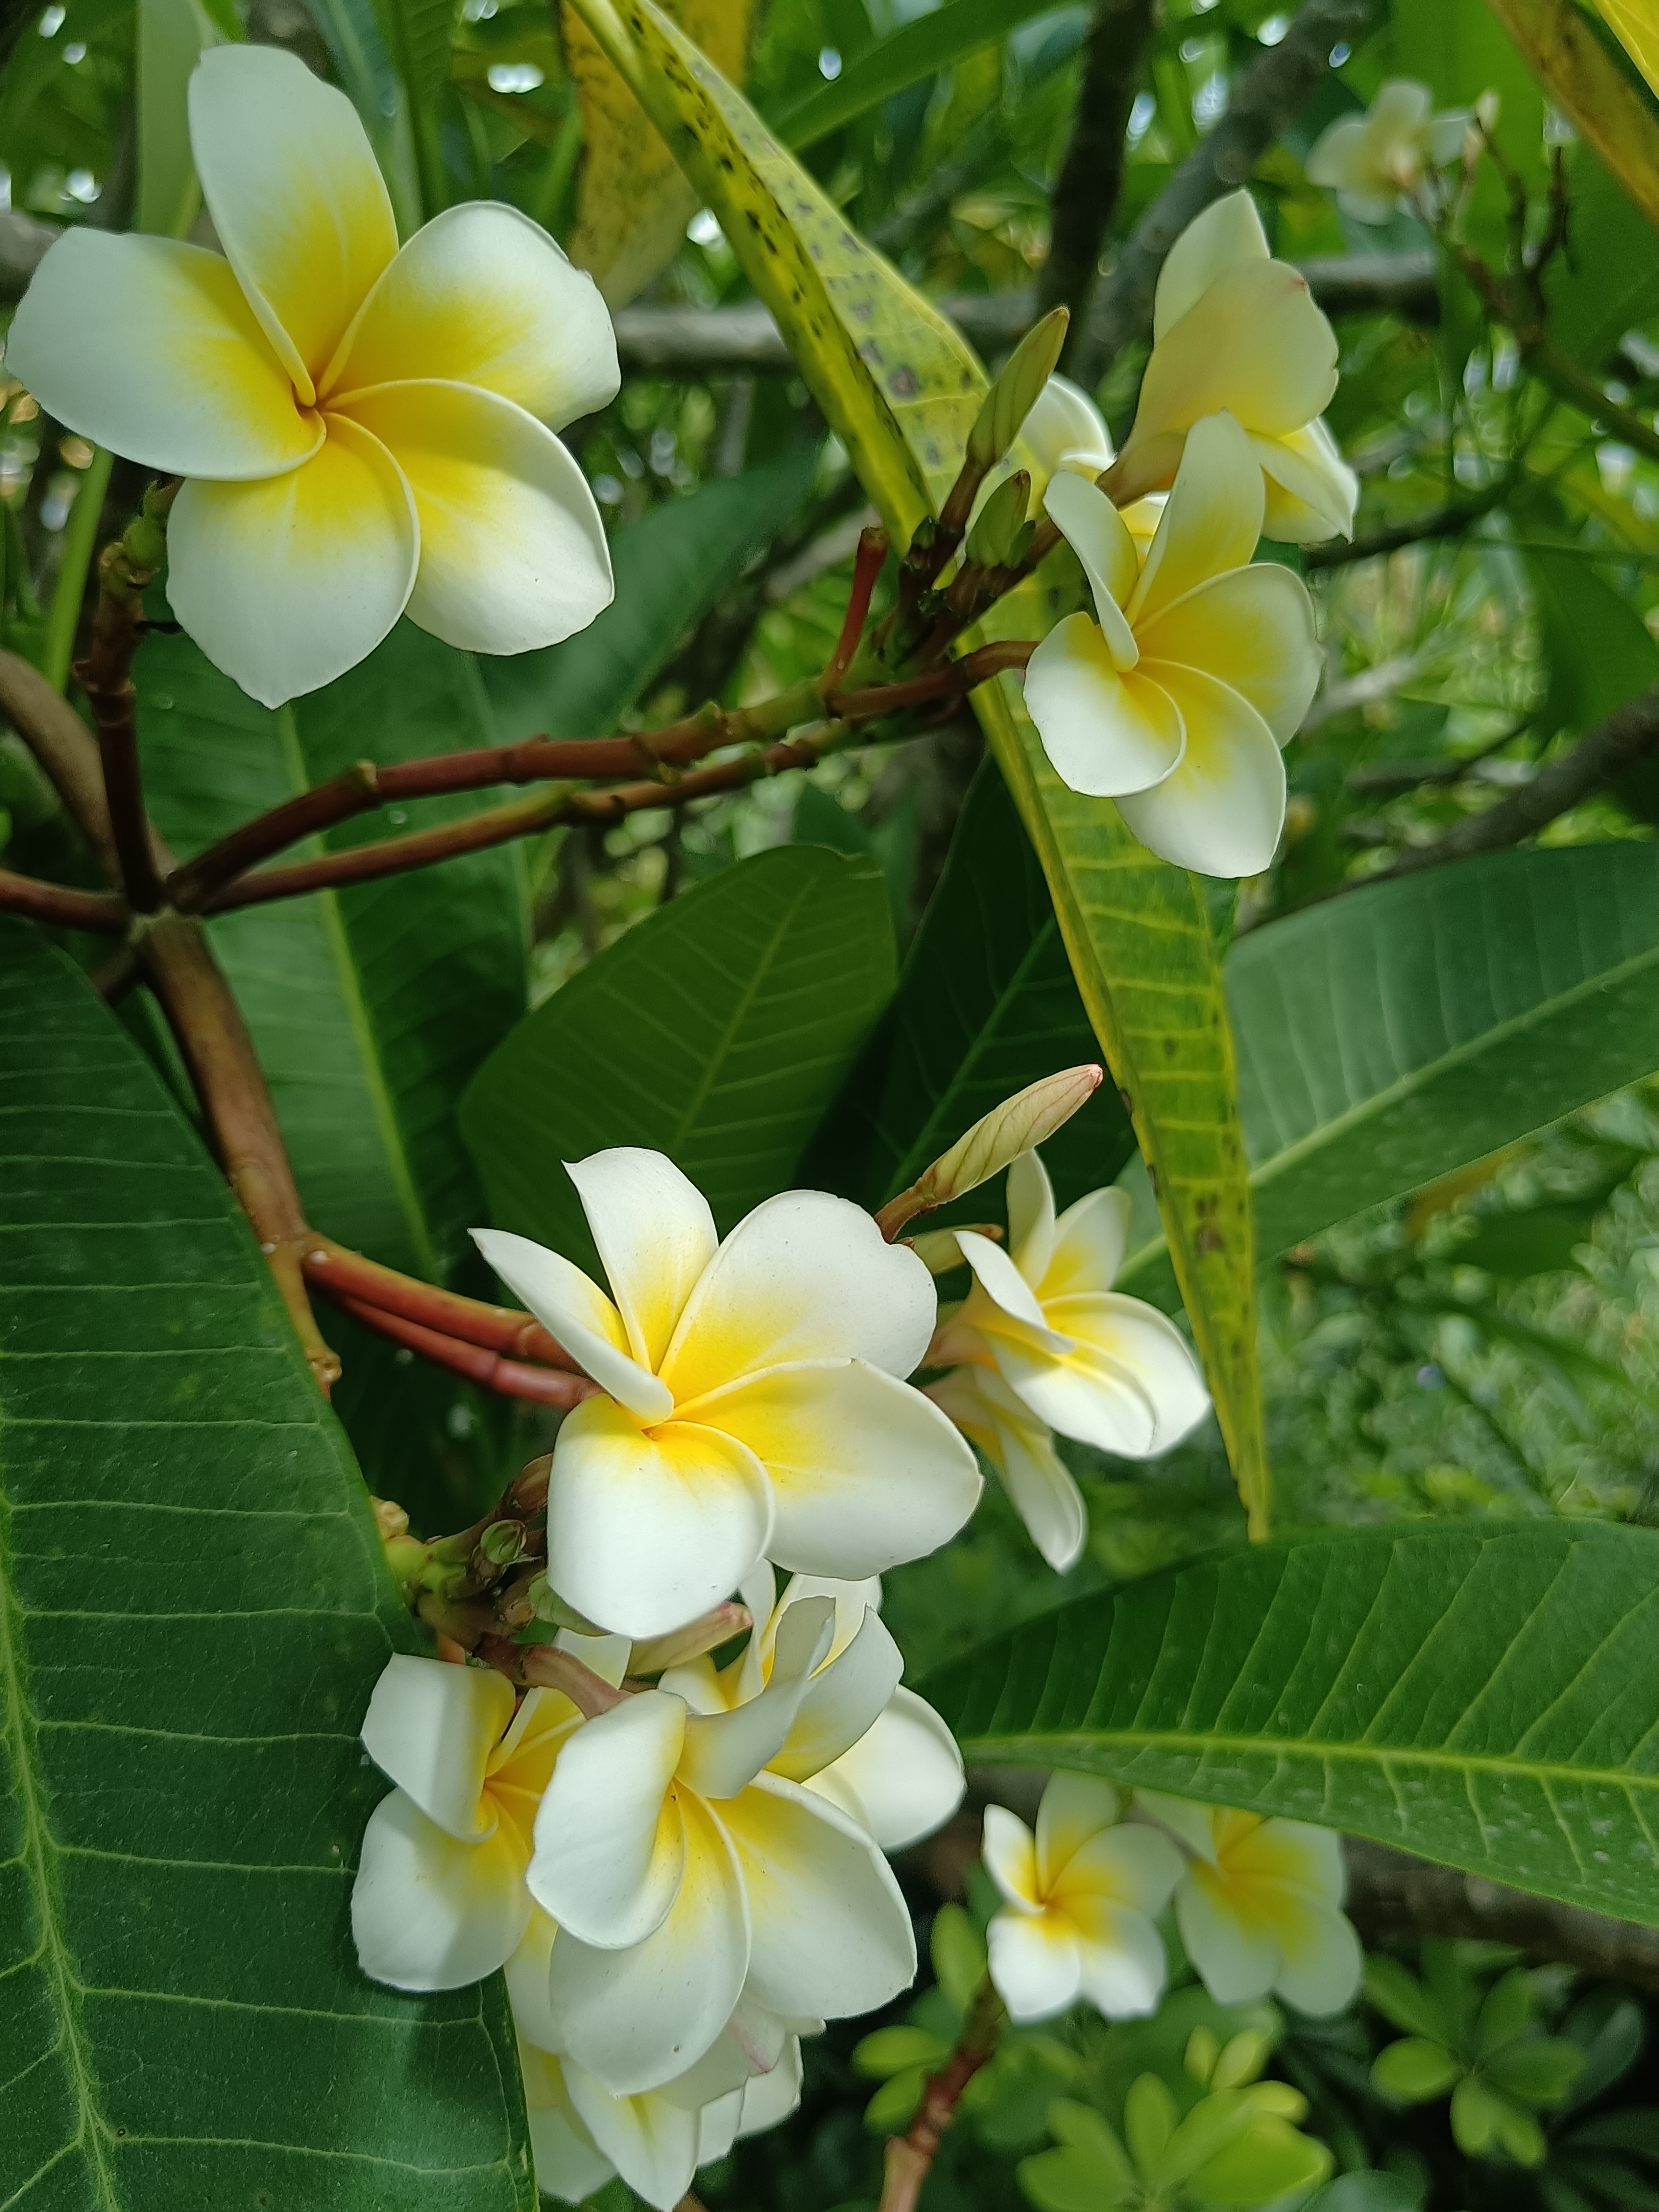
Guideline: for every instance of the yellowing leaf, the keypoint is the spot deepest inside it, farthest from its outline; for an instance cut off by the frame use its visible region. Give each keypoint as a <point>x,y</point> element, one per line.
<point>1569,61</point>
<point>1637,25</point>
<point>633,201</point>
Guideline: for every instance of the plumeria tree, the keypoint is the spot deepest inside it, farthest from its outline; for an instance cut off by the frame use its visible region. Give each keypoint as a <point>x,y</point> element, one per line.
<point>776,782</point>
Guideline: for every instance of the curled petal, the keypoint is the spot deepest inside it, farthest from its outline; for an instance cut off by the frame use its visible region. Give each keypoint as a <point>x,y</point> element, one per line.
<point>1035,1963</point>
<point>513,552</point>
<point>646,1527</point>
<point>1040,1485</point>
<point>1084,1393</point>
<point>1011,1859</point>
<point>580,1314</point>
<point>432,1727</point>
<point>192,388</point>
<point>295,197</point>
<point>1089,1243</point>
<point>610,1846</point>
<point>650,2140</point>
<point>1031,1216</point>
<point>1097,533</point>
<point>1005,1286</point>
<point>287,583</point>
<point>1338,156</point>
<point>1254,342</point>
<point>1311,492</point>
<point>1064,430</point>
<point>1105,732</point>
<point>655,1235</point>
<point>902,1778</point>
<point>1150,1348</point>
<point>771,2097</point>
<point>1228,233</point>
<point>1210,523</point>
<point>1253,628</point>
<point>526,1973</point>
<point>482,295</point>
<point>842,1702</point>
<point>724,1752</point>
<point>428,1912</point>
<point>1221,812</point>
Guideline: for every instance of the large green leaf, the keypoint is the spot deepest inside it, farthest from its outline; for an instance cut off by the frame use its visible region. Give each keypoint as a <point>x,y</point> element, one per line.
<point>193,1614</point>
<point>986,1003</point>
<point>918,48</point>
<point>671,566</point>
<point>717,1031</point>
<point>371,1007</point>
<point>1486,1694</point>
<point>1611,282</point>
<point>898,386</point>
<point>1392,1034</point>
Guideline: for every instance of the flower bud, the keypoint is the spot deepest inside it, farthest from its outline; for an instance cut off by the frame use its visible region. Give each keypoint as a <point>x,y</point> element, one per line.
<point>1013,395</point>
<point>1021,1123</point>
<point>504,1543</point>
<point>991,540</point>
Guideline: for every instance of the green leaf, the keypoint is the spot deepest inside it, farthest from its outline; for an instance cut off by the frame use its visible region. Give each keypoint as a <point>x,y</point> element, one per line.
<point>986,1003</point>
<point>193,1612</point>
<point>1538,2069</point>
<point>1482,2121</point>
<point>920,48</point>
<point>371,1007</point>
<point>1599,649</point>
<point>1149,2122</point>
<point>891,2050</point>
<point>958,1950</point>
<point>1482,1694</point>
<point>1367,2190</point>
<point>714,1031</point>
<point>1506,2012</point>
<point>1271,2160</point>
<point>416,35</point>
<point>1401,1999</point>
<point>897,383</point>
<point>1065,2180</point>
<point>1610,284</point>
<point>670,566</point>
<point>1395,1033</point>
<point>1414,2069</point>
<point>172,35</point>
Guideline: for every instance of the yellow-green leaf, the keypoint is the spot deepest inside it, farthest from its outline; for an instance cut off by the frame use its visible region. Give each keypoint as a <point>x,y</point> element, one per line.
<point>1638,34</point>
<point>1569,62</point>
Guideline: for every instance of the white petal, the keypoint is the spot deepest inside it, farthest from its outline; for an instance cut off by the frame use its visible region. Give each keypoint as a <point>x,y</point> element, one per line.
<point>1065,429</point>
<point>831,1935</point>
<point>1123,1977</point>
<point>724,1752</point>
<point>1194,1824</point>
<point>1229,231</point>
<point>1210,523</point>
<point>654,1234</point>
<point>148,348</point>
<point>578,1314</point>
<point>1311,491</point>
<point>568,2166</point>
<point>865,1471</point>
<point>1074,1807</point>
<point>482,295</point>
<point>428,1912</point>
<point>1039,1484</point>
<point>527,1972</point>
<point>1089,1243</point>
<point>1322,1963</point>
<point>650,2140</point>
<point>1253,628</point>
<point>805,1276</point>
<point>717,2125</point>
<point>1031,1216</point>
<point>295,197</point>
<point>843,1701</point>
<point>287,583</point>
<point>1337,156</point>
<point>1445,136</point>
<point>904,1776</point>
<point>1256,342</point>
<point>1150,1346</point>
<point>1221,812</point>
<point>1236,1962</point>
<point>1128,1866</point>
<point>1095,531</point>
<point>432,1727</point>
<point>1036,1964</point>
<point>1085,1393</point>
<point>611,1852</point>
<point>1004,1285</point>
<point>648,1527</point>
<point>1105,732</point>
<point>637,2018</point>
<point>1010,1854</point>
<point>770,2097</point>
<point>513,555</point>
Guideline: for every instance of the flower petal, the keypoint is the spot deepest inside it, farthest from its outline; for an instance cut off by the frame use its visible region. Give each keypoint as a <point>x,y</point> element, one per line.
<point>1192,1824</point>
<point>482,295</point>
<point>1221,812</point>
<point>724,1752</point>
<point>432,1728</point>
<point>1236,1959</point>
<point>1031,1216</point>
<point>513,552</point>
<point>999,1278</point>
<point>568,2166</point>
<point>1322,1960</point>
<point>831,1935</point>
<point>183,379</point>
<point>654,1234</point>
<point>578,1314</point>
<point>1089,1243</point>
<point>650,2140</point>
<point>295,197</point>
<point>1074,1808</point>
<point>648,1527</point>
<point>1210,523</point>
<point>1255,343</point>
<point>842,1702</point>
<point>1128,1864</point>
<point>1337,157</point>
<point>1147,1343</point>
<point>1227,232</point>
<point>1085,1393</point>
<point>770,2097</point>
<point>1064,429</point>
<point>865,1471</point>
<point>1105,732</point>
<point>1095,531</point>
<point>1123,1963</point>
<point>805,1276</point>
<point>610,1846</point>
<point>637,2018</point>
<point>902,1778</point>
<point>288,583</point>
<point>527,1972</point>
<point>428,1912</point>
<point>1039,1484</point>
<point>1310,489</point>
<point>1253,628</point>
<point>1010,1853</point>
<point>1035,1963</point>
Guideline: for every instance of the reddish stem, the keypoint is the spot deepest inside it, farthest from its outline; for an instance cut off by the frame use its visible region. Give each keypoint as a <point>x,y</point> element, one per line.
<point>872,551</point>
<point>509,1378</point>
<point>341,1274</point>
<point>910,2156</point>
<point>63,908</point>
<point>949,682</point>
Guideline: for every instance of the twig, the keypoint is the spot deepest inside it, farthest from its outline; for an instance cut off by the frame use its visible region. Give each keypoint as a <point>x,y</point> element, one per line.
<point>341,1274</point>
<point>1444,522</point>
<point>1270,93</point>
<point>58,737</point>
<point>124,570</point>
<point>509,1378</point>
<point>866,566</point>
<point>63,908</point>
<point>1086,193</point>
<point>910,2156</point>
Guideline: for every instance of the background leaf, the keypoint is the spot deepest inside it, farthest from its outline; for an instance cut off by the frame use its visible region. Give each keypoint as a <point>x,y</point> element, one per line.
<point>1486,1695</point>
<point>716,1031</point>
<point>918,48</point>
<point>193,1611</point>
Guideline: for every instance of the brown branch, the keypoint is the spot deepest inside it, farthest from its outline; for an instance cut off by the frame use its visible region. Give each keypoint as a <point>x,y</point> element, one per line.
<point>910,2156</point>
<point>60,907</point>
<point>124,570</point>
<point>1268,96</point>
<point>341,1274</point>
<point>58,739</point>
<point>1086,193</point>
<point>509,1378</point>
<point>1444,522</point>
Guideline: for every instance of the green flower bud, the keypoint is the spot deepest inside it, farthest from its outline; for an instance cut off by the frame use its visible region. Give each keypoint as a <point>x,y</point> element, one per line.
<point>1013,395</point>
<point>504,1543</point>
<point>991,540</point>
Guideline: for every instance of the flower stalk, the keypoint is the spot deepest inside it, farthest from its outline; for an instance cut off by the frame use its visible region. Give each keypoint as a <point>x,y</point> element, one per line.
<point>910,2157</point>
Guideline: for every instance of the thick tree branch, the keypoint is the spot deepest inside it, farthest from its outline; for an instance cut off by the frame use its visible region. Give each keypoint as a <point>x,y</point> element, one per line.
<point>1086,193</point>
<point>1268,96</point>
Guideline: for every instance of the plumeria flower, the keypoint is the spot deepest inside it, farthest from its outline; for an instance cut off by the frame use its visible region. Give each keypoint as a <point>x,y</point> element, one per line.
<point>754,1406</point>
<point>439,1899</point>
<point>1260,1904</point>
<point>1045,1343</point>
<point>1064,430</point>
<point>686,1868</point>
<point>1082,1896</point>
<point>1197,666</point>
<point>1374,160</point>
<point>1232,328</point>
<point>365,431</point>
<point>903,1777</point>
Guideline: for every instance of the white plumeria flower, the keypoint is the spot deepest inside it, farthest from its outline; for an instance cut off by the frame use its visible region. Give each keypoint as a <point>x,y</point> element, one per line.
<point>755,1406</point>
<point>1374,160</point>
<point>1197,666</point>
<point>1021,1448</point>
<point>439,1899</point>
<point>1044,1322</point>
<point>1082,1896</point>
<point>903,1777</point>
<point>365,430</point>
<point>1234,329</point>
<point>686,1868</point>
<point>1260,1904</point>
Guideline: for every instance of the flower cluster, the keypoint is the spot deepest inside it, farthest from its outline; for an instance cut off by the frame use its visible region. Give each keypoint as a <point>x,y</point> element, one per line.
<point>1257,1903</point>
<point>1374,162</point>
